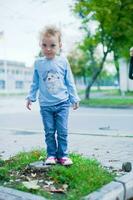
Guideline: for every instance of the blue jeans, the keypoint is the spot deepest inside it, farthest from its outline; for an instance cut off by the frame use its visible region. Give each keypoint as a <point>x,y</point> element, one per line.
<point>55,121</point>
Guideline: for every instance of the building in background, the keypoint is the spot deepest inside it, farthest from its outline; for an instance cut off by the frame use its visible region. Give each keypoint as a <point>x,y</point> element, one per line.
<point>15,77</point>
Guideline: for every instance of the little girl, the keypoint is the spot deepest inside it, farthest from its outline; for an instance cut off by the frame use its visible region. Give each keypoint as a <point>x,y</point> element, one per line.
<point>54,80</point>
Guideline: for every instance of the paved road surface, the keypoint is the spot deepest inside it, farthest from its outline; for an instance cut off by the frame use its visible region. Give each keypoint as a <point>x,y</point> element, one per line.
<point>105,134</point>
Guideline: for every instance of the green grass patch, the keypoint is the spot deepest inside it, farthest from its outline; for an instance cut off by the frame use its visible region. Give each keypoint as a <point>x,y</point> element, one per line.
<point>80,179</point>
<point>108,92</point>
<point>114,102</point>
<point>129,93</point>
<point>84,177</point>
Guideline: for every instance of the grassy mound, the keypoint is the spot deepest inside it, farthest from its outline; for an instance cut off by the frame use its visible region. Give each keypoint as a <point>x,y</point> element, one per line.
<point>57,182</point>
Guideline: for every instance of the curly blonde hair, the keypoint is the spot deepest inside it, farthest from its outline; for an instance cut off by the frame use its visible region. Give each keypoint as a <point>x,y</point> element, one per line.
<point>50,31</point>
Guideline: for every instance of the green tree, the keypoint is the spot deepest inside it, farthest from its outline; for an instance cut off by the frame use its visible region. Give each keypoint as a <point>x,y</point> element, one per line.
<point>79,63</point>
<point>114,28</point>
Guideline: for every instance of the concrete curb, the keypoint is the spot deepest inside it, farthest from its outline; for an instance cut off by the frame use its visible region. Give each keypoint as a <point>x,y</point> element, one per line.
<point>12,194</point>
<point>119,189</point>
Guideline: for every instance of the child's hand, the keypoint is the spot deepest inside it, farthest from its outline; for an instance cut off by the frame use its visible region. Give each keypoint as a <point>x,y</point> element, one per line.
<point>75,106</point>
<point>28,104</point>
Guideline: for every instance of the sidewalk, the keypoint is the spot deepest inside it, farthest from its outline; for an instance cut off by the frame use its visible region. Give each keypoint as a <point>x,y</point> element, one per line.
<point>111,149</point>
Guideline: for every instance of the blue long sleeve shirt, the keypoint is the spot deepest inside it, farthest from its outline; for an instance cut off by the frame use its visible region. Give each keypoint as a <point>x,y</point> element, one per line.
<point>54,80</point>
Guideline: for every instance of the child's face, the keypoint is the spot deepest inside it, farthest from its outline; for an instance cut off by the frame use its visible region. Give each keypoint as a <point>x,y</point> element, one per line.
<point>50,46</point>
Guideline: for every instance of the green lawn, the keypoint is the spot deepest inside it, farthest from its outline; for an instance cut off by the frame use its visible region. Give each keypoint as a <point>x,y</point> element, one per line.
<point>107,98</point>
<point>80,179</point>
<point>107,102</point>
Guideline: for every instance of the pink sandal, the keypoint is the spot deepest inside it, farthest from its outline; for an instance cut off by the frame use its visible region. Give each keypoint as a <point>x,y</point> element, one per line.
<point>51,160</point>
<point>65,161</point>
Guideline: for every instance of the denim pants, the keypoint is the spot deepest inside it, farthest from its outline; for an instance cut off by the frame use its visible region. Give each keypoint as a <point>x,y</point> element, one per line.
<point>55,121</point>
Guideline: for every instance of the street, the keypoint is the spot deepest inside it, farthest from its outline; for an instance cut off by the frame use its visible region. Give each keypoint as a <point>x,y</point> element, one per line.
<point>104,134</point>
<point>14,115</point>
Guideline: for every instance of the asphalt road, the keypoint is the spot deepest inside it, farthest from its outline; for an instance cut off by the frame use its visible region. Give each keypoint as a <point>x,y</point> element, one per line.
<point>104,134</point>
<point>14,115</point>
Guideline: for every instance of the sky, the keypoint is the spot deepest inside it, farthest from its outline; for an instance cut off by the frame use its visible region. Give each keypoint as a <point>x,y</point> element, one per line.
<point>21,21</point>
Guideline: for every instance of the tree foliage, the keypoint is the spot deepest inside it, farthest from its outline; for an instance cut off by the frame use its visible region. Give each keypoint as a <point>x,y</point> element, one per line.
<point>113,32</point>
<point>115,19</point>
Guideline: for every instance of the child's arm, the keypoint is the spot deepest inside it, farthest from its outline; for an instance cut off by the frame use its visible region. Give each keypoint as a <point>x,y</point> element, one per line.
<point>33,90</point>
<point>73,96</point>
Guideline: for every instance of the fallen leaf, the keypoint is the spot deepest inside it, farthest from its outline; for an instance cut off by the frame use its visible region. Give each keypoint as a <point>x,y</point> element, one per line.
<point>33,175</point>
<point>27,178</point>
<point>59,190</point>
<point>40,181</point>
<point>65,186</point>
<point>105,128</point>
<point>31,184</point>
<point>11,181</point>
<point>41,158</point>
<point>18,180</point>
<point>114,160</point>
<point>49,182</point>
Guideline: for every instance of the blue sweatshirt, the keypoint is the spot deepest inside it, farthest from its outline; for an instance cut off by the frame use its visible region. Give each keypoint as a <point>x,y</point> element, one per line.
<point>54,80</point>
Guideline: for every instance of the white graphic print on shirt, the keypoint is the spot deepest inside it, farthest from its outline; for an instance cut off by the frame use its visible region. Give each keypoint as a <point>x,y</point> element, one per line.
<point>52,81</point>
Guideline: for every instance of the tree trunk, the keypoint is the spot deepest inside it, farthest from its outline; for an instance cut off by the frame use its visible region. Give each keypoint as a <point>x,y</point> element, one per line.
<point>116,66</point>
<point>87,92</point>
<point>84,79</point>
